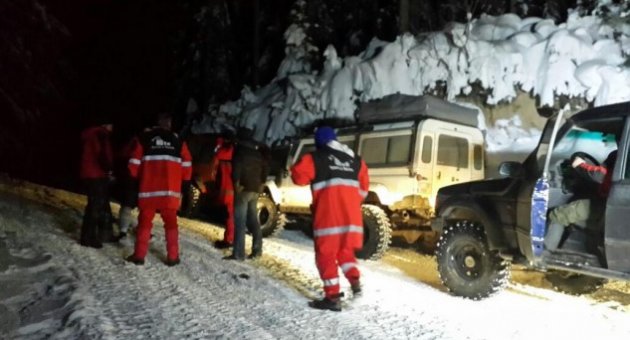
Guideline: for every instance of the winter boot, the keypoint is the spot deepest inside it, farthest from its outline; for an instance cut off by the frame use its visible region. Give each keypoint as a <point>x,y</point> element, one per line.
<point>356,288</point>
<point>172,263</point>
<point>332,303</point>
<point>132,258</point>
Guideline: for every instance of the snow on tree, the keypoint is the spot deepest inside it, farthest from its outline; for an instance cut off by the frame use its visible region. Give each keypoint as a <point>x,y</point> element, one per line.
<point>584,57</point>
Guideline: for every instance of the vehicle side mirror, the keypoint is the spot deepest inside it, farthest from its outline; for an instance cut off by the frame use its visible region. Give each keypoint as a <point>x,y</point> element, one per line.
<point>510,169</point>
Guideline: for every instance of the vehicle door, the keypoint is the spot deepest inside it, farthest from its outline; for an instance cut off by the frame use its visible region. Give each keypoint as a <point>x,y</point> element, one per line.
<point>293,195</point>
<point>617,228</point>
<point>423,164</point>
<point>552,189</point>
<point>452,158</point>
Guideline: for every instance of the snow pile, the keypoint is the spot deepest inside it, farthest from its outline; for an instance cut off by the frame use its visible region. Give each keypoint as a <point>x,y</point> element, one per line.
<point>508,134</point>
<point>583,57</point>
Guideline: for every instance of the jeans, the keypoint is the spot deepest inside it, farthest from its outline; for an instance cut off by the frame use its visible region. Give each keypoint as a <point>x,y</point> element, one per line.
<point>246,217</point>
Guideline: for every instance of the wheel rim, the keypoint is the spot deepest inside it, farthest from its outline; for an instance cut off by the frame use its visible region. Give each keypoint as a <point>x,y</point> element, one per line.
<point>263,215</point>
<point>467,261</point>
<point>264,212</point>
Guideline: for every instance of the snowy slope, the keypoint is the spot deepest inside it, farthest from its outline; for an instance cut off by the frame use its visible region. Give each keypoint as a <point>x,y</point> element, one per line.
<point>53,288</point>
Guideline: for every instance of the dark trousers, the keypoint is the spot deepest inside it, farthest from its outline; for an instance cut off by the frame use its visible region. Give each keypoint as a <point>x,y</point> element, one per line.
<point>97,218</point>
<point>246,218</point>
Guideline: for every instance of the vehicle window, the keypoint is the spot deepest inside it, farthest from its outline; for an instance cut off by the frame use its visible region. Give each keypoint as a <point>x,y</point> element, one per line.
<point>477,156</point>
<point>398,149</point>
<point>306,148</point>
<point>427,148</point>
<point>374,150</point>
<point>387,150</point>
<point>594,143</point>
<point>278,161</point>
<point>452,151</point>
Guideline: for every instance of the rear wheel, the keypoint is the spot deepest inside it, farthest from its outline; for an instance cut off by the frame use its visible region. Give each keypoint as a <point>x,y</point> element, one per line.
<point>271,220</point>
<point>574,284</point>
<point>466,265</point>
<point>377,233</point>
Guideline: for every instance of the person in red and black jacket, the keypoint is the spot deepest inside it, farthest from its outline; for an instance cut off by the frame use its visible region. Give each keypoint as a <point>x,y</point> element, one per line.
<point>162,163</point>
<point>221,173</point>
<point>583,211</point>
<point>95,172</point>
<point>339,183</point>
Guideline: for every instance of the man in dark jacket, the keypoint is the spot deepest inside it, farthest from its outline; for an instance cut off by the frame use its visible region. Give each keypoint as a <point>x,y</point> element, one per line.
<point>249,172</point>
<point>95,172</point>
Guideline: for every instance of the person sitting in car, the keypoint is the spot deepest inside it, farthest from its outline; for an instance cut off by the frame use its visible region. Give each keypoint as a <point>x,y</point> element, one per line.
<point>585,212</point>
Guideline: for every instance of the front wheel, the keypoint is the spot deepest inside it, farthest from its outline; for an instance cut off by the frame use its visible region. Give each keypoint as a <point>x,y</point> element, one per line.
<point>271,220</point>
<point>377,233</point>
<point>466,265</point>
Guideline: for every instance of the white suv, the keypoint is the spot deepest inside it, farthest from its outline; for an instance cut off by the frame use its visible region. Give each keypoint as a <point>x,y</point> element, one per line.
<point>412,145</point>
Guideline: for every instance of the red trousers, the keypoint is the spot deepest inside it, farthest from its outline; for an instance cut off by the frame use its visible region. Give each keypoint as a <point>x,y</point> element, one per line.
<point>228,235</point>
<point>143,233</point>
<point>332,252</point>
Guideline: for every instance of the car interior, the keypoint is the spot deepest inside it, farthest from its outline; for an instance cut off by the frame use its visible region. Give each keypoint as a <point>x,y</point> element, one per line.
<point>593,141</point>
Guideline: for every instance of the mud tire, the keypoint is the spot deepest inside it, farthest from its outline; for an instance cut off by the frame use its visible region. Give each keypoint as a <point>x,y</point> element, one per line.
<point>271,220</point>
<point>377,233</point>
<point>466,265</point>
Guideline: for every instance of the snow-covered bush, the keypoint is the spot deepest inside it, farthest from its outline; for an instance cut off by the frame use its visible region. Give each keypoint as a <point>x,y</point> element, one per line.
<point>584,57</point>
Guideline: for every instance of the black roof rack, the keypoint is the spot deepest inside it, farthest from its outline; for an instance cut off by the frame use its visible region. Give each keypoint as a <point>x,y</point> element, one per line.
<point>400,107</point>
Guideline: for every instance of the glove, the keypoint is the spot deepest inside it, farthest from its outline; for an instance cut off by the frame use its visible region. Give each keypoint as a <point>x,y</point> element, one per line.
<point>577,161</point>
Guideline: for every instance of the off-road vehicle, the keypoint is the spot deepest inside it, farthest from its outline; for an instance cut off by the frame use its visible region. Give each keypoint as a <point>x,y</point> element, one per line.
<point>486,225</point>
<point>413,145</point>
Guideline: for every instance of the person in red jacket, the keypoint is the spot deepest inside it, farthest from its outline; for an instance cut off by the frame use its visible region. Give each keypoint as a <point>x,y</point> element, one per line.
<point>339,183</point>
<point>582,210</point>
<point>95,172</point>
<point>221,173</point>
<point>161,162</point>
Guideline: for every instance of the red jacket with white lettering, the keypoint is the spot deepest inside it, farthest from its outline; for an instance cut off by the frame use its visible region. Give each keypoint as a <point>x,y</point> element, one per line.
<point>161,162</point>
<point>96,156</point>
<point>339,183</point>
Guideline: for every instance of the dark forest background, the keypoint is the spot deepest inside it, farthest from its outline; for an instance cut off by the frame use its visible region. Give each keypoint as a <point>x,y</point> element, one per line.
<point>66,63</point>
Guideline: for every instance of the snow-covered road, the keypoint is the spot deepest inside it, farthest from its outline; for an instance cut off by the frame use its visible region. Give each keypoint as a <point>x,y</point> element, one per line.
<point>50,287</point>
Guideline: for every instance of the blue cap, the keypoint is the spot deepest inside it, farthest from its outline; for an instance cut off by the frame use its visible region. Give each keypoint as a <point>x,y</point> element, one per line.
<point>323,135</point>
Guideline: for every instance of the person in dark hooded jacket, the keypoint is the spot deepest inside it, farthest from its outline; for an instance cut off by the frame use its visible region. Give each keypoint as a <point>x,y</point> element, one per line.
<point>249,172</point>
<point>95,173</point>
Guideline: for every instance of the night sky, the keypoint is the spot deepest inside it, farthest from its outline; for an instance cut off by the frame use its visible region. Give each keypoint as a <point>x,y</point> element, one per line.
<point>111,58</point>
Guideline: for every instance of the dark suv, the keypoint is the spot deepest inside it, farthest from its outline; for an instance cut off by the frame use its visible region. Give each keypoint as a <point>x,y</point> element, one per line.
<point>487,225</point>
